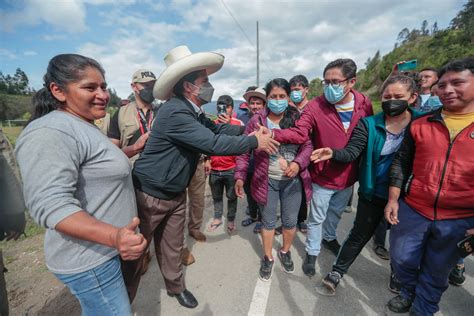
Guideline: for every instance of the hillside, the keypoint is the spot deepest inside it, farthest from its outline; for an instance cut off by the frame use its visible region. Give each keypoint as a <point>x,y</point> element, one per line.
<point>429,45</point>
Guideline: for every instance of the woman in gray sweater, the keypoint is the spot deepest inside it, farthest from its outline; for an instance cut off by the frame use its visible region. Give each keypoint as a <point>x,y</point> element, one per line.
<point>78,185</point>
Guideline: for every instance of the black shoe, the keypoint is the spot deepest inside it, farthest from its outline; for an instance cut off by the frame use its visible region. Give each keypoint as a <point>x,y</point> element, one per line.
<point>332,246</point>
<point>266,269</point>
<point>309,265</point>
<point>394,285</point>
<point>456,277</point>
<point>381,252</point>
<point>186,299</point>
<point>286,262</point>
<point>331,281</point>
<point>399,304</point>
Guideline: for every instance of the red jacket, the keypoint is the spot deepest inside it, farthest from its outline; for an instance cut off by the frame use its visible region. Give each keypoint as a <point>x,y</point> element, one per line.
<point>259,186</point>
<point>222,163</point>
<point>321,120</point>
<point>441,184</point>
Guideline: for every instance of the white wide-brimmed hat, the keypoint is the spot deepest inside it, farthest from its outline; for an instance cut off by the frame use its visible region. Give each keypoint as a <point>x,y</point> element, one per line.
<point>180,62</point>
<point>259,93</point>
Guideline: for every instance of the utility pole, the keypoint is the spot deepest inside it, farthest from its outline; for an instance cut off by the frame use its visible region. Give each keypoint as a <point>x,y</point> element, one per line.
<point>258,62</point>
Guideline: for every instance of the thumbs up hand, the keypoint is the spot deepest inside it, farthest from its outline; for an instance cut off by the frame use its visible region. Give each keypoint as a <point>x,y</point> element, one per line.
<point>128,242</point>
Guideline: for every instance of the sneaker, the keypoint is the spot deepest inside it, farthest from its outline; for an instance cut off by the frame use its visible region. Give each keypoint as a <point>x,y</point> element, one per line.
<point>332,246</point>
<point>381,252</point>
<point>309,265</point>
<point>331,281</point>
<point>456,277</point>
<point>394,285</point>
<point>278,230</point>
<point>266,269</point>
<point>286,262</point>
<point>348,209</point>
<point>399,304</point>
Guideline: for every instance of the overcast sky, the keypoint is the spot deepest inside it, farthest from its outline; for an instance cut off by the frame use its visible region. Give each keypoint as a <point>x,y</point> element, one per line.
<point>296,37</point>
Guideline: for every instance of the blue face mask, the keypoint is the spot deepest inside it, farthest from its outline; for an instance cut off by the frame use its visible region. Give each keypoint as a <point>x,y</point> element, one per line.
<point>433,102</point>
<point>277,106</point>
<point>296,96</point>
<point>334,93</point>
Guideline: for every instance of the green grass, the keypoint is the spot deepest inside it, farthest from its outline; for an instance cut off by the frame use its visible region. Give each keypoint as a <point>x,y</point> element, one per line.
<point>12,133</point>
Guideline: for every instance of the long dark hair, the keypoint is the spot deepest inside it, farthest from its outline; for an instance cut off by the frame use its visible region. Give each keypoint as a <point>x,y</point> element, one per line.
<point>291,113</point>
<point>62,70</point>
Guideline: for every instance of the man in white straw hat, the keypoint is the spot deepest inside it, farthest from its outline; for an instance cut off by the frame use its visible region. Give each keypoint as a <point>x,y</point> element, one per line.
<point>180,133</point>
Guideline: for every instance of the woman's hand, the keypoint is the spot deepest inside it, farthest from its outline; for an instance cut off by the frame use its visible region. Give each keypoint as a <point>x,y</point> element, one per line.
<point>391,212</point>
<point>130,244</point>
<point>239,188</point>
<point>321,154</point>
<point>292,170</point>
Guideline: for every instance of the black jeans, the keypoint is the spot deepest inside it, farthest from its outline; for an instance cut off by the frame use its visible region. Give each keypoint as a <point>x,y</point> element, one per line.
<point>368,217</point>
<point>218,180</point>
<point>303,213</point>
<point>254,209</point>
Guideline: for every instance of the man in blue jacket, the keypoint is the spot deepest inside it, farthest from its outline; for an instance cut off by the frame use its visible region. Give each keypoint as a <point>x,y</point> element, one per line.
<point>180,133</point>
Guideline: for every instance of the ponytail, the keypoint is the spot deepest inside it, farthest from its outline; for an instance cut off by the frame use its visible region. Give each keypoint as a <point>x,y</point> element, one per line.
<point>43,102</point>
<point>289,118</point>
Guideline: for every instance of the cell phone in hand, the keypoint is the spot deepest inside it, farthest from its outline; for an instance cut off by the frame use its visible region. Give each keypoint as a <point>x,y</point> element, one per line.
<point>407,66</point>
<point>221,109</point>
<point>466,246</point>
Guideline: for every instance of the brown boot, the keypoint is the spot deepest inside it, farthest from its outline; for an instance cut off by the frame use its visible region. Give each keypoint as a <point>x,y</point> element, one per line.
<point>187,257</point>
<point>145,262</point>
<point>196,234</point>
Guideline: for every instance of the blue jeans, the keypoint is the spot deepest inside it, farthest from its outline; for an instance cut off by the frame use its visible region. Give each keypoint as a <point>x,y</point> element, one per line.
<point>101,290</point>
<point>423,252</point>
<point>327,206</point>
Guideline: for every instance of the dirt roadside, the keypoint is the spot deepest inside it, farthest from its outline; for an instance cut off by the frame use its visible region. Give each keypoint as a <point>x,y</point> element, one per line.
<point>32,289</point>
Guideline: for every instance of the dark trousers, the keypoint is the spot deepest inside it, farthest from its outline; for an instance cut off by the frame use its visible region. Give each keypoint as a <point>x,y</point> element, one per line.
<point>163,221</point>
<point>369,214</point>
<point>254,209</point>
<point>218,180</point>
<point>381,233</point>
<point>303,213</point>
<point>423,252</point>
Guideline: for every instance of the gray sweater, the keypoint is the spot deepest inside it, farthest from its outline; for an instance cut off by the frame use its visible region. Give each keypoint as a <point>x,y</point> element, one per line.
<point>68,165</point>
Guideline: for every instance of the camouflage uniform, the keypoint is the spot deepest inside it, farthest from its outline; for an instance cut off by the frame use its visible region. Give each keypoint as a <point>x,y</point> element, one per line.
<point>12,207</point>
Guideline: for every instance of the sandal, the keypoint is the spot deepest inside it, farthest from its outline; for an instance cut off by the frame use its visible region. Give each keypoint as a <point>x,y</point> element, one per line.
<point>248,221</point>
<point>231,229</point>
<point>258,228</point>
<point>212,227</point>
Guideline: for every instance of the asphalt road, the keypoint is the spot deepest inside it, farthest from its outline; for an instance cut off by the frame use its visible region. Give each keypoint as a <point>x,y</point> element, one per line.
<point>224,279</point>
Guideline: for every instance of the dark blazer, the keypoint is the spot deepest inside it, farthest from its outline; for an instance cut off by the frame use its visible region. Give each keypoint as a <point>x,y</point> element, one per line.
<point>178,136</point>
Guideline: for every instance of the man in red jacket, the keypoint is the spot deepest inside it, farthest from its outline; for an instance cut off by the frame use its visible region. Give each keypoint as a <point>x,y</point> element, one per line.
<point>329,119</point>
<point>222,172</point>
<point>436,161</point>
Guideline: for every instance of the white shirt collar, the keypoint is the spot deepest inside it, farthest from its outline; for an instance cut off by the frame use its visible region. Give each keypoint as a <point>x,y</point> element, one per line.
<point>196,108</point>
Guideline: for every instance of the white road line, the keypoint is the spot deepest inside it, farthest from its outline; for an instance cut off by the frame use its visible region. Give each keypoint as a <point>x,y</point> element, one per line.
<point>258,305</point>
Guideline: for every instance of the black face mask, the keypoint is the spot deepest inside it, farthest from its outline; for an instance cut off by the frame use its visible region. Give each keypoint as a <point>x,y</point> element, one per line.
<point>146,94</point>
<point>394,107</point>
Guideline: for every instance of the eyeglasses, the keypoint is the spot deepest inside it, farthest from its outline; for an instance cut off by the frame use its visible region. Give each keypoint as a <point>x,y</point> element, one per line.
<point>334,82</point>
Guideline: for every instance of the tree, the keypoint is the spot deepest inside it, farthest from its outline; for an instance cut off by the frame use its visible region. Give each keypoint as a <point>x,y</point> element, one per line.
<point>434,29</point>
<point>424,28</point>
<point>114,98</point>
<point>315,88</point>
<point>465,20</point>
<point>403,35</point>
